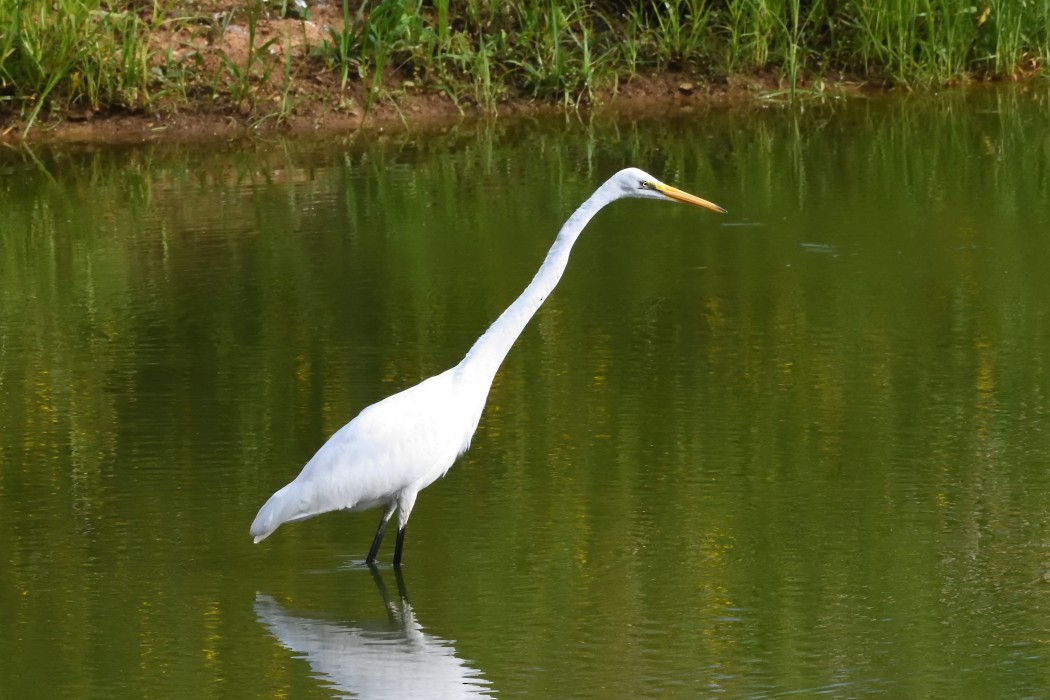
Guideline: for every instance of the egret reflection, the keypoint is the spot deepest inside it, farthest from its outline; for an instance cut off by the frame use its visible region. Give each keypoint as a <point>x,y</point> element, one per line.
<point>370,659</point>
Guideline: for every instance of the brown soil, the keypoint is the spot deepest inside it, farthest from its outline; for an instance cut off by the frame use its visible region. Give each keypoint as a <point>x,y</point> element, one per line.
<point>314,100</point>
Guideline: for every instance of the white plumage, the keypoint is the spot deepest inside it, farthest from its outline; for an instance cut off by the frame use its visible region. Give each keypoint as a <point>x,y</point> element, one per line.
<point>397,447</point>
<point>394,660</point>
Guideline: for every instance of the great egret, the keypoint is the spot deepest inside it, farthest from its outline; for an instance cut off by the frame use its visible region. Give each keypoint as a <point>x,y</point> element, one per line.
<point>397,447</point>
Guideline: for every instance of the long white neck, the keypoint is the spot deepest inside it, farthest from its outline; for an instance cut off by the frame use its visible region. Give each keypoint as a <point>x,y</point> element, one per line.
<point>486,355</point>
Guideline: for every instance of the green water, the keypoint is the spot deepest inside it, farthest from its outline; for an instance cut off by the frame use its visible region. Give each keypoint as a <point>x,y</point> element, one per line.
<point>801,449</point>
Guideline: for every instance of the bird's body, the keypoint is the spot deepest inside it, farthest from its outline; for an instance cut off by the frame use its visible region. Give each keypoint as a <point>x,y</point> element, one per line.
<point>391,451</point>
<point>397,447</point>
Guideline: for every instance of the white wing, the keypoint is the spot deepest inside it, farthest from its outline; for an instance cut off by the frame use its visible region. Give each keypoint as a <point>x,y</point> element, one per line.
<point>404,442</point>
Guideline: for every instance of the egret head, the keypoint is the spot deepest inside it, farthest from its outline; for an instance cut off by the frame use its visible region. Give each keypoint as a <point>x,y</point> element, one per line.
<point>632,182</point>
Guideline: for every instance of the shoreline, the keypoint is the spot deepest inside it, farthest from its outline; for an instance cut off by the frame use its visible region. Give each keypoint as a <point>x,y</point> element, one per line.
<point>659,94</point>
<point>218,69</point>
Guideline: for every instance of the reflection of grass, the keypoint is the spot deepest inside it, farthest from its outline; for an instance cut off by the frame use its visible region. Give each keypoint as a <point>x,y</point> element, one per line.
<point>97,54</point>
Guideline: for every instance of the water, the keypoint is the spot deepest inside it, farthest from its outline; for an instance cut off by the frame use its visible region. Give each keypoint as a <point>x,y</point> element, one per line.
<point>801,449</point>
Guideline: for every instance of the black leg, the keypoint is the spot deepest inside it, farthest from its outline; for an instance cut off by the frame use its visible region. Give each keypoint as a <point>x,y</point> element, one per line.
<point>397,548</point>
<point>377,540</point>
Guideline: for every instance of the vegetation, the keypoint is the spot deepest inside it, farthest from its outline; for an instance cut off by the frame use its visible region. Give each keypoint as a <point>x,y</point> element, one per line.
<point>146,55</point>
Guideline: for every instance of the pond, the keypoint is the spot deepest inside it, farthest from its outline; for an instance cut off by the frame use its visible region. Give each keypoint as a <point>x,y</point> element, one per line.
<point>799,449</point>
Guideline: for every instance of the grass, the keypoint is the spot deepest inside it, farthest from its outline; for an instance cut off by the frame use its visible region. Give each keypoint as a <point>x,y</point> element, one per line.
<point>345,43</point>
<point>67,55</point>
<point>241,81</point>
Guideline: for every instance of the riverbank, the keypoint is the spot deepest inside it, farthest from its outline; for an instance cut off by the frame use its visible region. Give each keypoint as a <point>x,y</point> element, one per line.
<point>126,69</point>
<point>420,111</point>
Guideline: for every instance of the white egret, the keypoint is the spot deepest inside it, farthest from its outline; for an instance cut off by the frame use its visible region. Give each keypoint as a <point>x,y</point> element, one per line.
<point>397,447</point>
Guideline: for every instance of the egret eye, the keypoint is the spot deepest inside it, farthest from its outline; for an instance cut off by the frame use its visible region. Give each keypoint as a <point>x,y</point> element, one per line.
<point>645,185</point>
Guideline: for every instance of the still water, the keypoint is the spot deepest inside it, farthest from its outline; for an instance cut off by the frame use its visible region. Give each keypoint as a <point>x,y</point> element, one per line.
<point>801,449</point>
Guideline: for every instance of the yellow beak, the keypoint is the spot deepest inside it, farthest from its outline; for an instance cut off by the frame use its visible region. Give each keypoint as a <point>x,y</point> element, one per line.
<point>686,198</point>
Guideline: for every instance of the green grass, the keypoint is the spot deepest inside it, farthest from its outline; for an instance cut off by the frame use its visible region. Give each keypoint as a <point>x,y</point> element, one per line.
<point>565,50</point>
<point>71,54</point>
<point>345,45</point>
<point>241,80</point>
<point>62,55</point>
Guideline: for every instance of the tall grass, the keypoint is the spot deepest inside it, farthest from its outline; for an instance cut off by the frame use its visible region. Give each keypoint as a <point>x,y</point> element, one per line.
<point>680,28</point>
<point>567,49</point>
<point>932,40</point>
<point>71,53</point>
<point>557,51</point>
<point>95,54</point>
<point>345,43</point>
